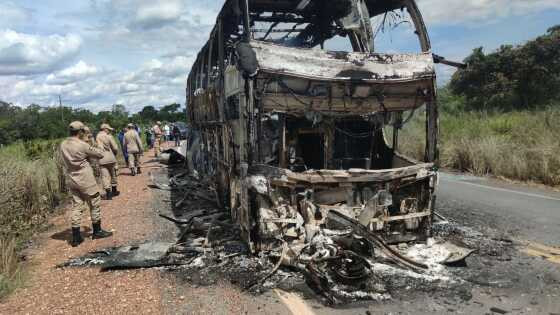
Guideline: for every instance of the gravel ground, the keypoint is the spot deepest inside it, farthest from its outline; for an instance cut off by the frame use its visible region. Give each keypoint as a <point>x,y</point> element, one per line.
<point>52,290</point>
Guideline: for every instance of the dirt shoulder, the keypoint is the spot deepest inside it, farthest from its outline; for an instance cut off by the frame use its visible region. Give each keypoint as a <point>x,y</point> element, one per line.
<point>52,290</point>
<point>133,217</point>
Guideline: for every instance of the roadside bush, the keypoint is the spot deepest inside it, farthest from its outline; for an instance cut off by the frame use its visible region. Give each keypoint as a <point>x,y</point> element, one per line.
<point>30,191</point>
<point>519,145</point>
<point>41,149</point>
<point>11,274</point>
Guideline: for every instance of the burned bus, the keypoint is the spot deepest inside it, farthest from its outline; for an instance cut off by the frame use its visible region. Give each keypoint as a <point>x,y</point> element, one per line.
<point>289,129</point>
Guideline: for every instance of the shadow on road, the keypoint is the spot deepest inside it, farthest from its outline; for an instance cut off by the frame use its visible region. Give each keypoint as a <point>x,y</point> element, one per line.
<point>66,235</point>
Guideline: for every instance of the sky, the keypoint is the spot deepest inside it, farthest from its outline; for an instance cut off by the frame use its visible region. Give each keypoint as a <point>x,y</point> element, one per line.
<point>95,53</point>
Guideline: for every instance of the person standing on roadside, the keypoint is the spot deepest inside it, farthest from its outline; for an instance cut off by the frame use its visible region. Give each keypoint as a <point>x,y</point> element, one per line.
<point>167,132</point>
<point>80,180</point>
<point>89,139</point>
<point>107,143</point>
<point>133,145</point>
<point>121,142</point>
<point>149,140</point>
<point>157,138</point>
<point>176,135</point>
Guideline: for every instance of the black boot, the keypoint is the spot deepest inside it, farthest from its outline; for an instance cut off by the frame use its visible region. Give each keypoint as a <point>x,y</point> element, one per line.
<point>76,237</point>
<point>114,191</point>
<point>133,171</point>
<point>139,170</point>
<point>98,232</point>
<point>108,194</point>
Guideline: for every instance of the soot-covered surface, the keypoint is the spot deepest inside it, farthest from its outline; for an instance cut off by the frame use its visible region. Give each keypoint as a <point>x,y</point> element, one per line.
<point>496,275</point>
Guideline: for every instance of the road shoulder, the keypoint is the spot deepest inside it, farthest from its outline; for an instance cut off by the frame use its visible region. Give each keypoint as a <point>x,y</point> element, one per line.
<point>52,290</point>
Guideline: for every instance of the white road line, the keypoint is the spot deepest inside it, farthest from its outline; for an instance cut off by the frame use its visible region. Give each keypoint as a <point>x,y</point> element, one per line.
<point>294,303</point>
<point>501,189</point>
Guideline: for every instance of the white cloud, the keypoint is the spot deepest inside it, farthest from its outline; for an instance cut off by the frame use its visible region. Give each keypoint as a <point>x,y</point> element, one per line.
<point>157,72</point>
<point>156,15</point>
<point>157,82</point>
<point>480,11</point>
<point>127,88</point>
<point>79,93</point>
<point>77,72</point>
<point>33,54</point>
<point>444,73</point>
<point>176,67</point>
<point>203,15</point>
<point>13,14</point>
<point>149,26</point>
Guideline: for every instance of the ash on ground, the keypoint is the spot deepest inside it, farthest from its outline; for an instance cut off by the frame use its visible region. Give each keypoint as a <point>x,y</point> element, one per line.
<point>338,266</point>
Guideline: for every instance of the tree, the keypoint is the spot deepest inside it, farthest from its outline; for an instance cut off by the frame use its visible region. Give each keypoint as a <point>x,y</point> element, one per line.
<point>171,113</point>
<point>53,122</point>
<point>37,122</point>
<point>555,28</point>
<point>148,114</point>
<point>119,110</point>
<point>8,133</point>
<point>513,77</point>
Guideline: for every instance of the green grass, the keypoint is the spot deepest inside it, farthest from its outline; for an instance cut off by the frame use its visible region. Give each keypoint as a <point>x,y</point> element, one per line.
<point>519,145</point>
<point>30,191</point>
<point>11,272</point>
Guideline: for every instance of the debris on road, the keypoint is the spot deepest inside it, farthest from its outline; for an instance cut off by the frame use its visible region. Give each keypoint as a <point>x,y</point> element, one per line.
<point>146,255</point>
<point>498,310</point>
<point>172,156</point>
<point>341,260</point>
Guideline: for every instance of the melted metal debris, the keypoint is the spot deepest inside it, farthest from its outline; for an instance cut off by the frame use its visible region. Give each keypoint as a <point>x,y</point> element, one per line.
<point>339,265</point>
<point>151,254</point>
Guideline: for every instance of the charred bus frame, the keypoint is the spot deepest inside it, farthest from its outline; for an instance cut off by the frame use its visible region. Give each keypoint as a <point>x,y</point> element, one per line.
<point>289,132</point>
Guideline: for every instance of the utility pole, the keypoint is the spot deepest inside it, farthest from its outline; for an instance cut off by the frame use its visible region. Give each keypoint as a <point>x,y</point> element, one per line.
<point>61,110</point>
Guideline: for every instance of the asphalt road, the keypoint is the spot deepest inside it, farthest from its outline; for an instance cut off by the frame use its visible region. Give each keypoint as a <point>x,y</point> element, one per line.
<point>533,214</point>
<point>502,276</point>
<point>530,216</point>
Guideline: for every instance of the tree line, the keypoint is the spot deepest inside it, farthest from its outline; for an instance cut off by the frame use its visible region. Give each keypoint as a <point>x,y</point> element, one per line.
<point>40,122</point>
<point>523,77</point>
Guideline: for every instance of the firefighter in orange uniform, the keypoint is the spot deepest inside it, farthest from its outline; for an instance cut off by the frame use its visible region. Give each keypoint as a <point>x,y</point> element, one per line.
<point>158,134</point>
<point>75,154</point>
<point>107,143</point>
<point>134,147</point>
